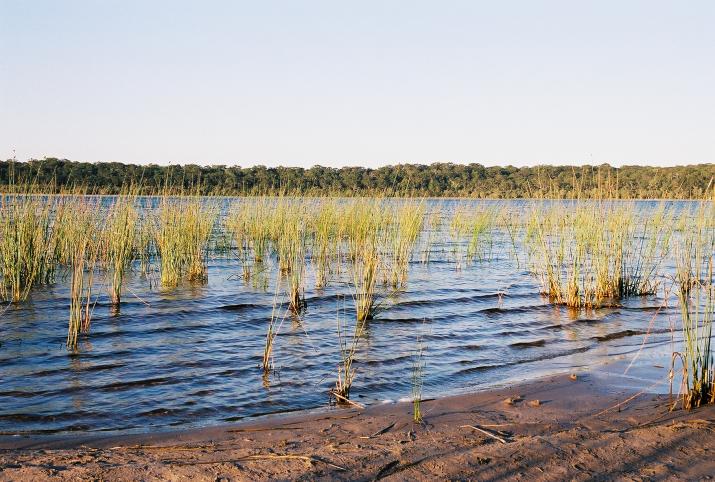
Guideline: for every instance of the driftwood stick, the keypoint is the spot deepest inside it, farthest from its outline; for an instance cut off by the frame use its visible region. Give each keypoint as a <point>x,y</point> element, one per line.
<point>347,400</point>
<point>488,433</point>
<point>380,432</point>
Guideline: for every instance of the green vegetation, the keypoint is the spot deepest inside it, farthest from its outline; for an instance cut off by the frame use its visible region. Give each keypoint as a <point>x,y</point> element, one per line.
<point>119,241</point>
<point>183,227</point>
<point>418,370</point>
<point>27,245</point>
<point>81,230</point>
<point>596,252</point>
<point>695,278</point>
<point>52,175</point>
<point>346,371</point>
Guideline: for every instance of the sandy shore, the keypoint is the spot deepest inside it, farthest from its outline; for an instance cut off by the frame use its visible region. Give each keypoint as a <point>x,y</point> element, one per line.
<point>573,432</point>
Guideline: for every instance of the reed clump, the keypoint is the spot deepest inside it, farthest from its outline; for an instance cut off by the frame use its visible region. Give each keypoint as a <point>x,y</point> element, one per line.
<point>119,237</point>
<point>324,226</point>
<point>695,288</point>
<point>291,242</point>
<point>595,252</point>
<point>364,240</point>
<point>182,231</point>
<point>471,234</point>
<point>250,223</point>
<point>81,228</point>
<point>348,345</point>
<point>433,223</point>
<point>28,243</point>
<point>407,224</point>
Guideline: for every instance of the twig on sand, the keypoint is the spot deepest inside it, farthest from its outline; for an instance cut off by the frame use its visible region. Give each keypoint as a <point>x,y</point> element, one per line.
<point>304,458</point>
<point>488,433</point>
<point>646,390</point>
<point>346,400</point>
<point>379,432</point>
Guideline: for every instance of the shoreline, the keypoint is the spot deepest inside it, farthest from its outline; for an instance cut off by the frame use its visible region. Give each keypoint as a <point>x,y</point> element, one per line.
<point>578,429</point>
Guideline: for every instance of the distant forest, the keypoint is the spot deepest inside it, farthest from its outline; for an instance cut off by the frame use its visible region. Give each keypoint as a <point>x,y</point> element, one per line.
<point>53,175</point>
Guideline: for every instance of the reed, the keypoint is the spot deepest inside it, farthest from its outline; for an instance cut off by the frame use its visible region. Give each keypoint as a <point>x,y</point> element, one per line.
<point>81,228</point>
<point>695,257</point>
<point>27,244</point>
<point>144,249</point>
<point>348,346</point>
<point>292,249</point>
<point>434,227</point>
<point>418,368</point>
<point>119,237</point>
<point>267,360</point>
<point>250,226</point>
<point>403,233</point>
<point>596,252</point>
<point>182,231</point>
<point>471,234</point>
<point>324,228</point>
<point>365,274</point>
<point>235,224</point>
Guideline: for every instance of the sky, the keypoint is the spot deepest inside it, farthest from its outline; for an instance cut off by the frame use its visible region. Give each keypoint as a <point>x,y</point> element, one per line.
<point>367,83</point>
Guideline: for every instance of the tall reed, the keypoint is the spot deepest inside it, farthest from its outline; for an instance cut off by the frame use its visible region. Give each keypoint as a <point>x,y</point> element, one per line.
<point>291,251</point>
<point>471,233</point>
<point>324,227</point>
<point>364,240</point>
<point>348,345</point>
<point>182,231</point>
<point>418,368</point>
<point>695,259</point>
<point>434,227</point>
<point>405,228</point>
<point>81,229</point>
<point>27,244</point>
<point>594,252</point>
<point>119,235</point>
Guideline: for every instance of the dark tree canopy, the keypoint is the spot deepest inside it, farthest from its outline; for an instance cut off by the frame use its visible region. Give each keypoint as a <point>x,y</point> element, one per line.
<point>438,179</point>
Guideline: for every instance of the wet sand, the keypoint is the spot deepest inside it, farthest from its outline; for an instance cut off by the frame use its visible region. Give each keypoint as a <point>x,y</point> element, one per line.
<point>574,432</point>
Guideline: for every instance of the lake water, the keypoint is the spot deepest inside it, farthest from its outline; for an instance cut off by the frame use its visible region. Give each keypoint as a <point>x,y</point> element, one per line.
<point>190,356</point>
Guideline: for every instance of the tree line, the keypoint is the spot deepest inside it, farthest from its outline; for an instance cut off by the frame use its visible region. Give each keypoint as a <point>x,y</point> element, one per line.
<point>53,175</point>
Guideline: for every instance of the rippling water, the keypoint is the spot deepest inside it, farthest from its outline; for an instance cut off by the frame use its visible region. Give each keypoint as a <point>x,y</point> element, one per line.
<point>190,356</point>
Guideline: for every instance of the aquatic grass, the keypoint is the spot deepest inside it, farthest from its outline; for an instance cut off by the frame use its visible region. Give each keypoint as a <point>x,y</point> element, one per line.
<point>144,249</point>
<point>404,229</point>
<point>274,325</point>
<point>418,368</point>
<point>348,346</point>
<point>249,222</point>
<point>182,230</point>
<point>324,228</point>
<point>434,227</point>
<point>236,225</point>
<point>480,224</point>
<point>292,248</point>
<point>289,236</point>
<point>471,234</point>
<point>119,237</point>
<point>81,224</point>
<point>365,274</point>
<point>695,280</point>
<point>27,244</point>
<point>591,253</point>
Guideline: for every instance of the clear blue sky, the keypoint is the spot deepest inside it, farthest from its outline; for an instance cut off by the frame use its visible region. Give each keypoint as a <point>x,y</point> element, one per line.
<point>358,83</point>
